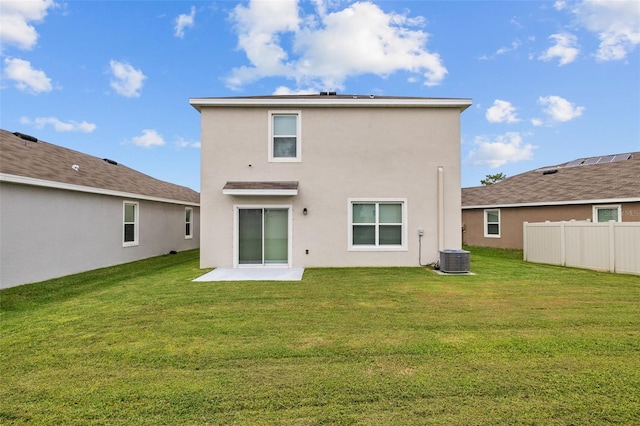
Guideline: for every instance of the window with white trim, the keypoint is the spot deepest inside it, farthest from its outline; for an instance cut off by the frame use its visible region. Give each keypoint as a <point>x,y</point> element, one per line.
<point>377,224</point>
<point>492,223</point>
<point>130,223</point>
<point>607,213</point>
<point>284,136</point>
<point>188,222</point>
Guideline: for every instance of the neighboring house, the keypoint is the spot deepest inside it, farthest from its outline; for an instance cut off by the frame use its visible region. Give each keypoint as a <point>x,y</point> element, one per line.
<point>597,189</point>
<point>329,180</point>
<point>63,212</point>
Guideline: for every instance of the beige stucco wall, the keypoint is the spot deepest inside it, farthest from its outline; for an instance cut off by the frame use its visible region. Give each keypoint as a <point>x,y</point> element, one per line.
<point>346,153</point>
<point>512,219</point>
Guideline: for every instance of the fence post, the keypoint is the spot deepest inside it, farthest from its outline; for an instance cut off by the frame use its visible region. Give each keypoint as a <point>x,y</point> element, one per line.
<point>563,249</point>
<point>612,247</point>
<point>524,240</point>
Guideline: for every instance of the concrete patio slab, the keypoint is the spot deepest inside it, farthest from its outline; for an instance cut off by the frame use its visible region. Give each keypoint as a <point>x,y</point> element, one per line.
<point>252,274</point>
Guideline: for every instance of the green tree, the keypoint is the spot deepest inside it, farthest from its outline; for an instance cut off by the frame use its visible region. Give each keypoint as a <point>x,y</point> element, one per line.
<point>491,179</point>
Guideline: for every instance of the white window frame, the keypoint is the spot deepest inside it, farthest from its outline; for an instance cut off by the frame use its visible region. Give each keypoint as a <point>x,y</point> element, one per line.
<point>487,223</point>
<point>607,207</point>
<point>377,247</point>
<point>298,157</point>
<point>136,223</point>
<point>188,235</point>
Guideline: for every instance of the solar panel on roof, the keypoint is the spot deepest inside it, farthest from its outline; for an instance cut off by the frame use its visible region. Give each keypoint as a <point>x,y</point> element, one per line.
<point>598,160</point>
<point>606,159</point>
<point>575,163</point>
<point>620,157</point>
<point>592,160</point>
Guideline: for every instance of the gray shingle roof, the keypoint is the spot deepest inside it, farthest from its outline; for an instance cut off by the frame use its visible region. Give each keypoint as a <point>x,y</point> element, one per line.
<point>45,161</point>
<point>608,181</point>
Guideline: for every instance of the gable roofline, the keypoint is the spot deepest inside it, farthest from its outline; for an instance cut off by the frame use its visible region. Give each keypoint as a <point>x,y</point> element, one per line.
<point>29,161</point>
<point>331,101</point>
<point>581,181</point>
<point>554,203</point>
<point>24,180</point>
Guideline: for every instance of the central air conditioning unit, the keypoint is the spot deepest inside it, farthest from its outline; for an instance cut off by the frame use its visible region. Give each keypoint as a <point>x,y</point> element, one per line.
<point>454,261</point>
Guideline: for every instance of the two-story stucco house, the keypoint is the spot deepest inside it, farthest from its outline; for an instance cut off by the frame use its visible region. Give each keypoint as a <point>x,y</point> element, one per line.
<point>329,180</point>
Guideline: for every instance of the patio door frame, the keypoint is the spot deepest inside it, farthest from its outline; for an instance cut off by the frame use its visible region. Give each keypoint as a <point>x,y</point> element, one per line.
<point>236,235</point>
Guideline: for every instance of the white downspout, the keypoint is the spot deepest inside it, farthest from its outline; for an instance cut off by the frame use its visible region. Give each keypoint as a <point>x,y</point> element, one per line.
<point>440,208</point>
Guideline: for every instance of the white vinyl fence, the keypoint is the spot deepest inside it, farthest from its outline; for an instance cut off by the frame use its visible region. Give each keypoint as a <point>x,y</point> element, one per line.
<point>610,246</point>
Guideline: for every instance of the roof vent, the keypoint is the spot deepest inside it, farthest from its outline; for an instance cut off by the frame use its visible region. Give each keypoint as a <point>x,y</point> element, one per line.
<point>110,161</point>
<point>371,96</point>
<point>331,93</point>
<point>25,137</point>
<point>550,172</point>
<point>324,93</point>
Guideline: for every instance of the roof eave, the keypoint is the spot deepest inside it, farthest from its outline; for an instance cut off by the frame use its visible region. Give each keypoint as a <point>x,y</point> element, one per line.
<point>24,180</point>
<point>553,203</point>
<point>328,102</point>
<point>261,192</point>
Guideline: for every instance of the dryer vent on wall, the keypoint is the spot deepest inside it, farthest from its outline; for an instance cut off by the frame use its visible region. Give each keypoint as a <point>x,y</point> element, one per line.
<point>454,261</point>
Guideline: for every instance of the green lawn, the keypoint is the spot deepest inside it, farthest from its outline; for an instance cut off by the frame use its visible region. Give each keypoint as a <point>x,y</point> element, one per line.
<point>517,343</point>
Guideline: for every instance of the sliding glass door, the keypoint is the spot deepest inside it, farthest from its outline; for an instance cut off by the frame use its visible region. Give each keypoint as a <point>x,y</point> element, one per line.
<point>263,236</point>
<point>276,236</point>
<point>250,236</point>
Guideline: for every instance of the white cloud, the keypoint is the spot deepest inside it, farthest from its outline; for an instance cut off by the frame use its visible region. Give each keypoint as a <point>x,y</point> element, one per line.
<point>560,5</point>
<point>127,81</point>
<point>499,150</point>
<point>258,37</point>
<point>15,19</point>
<point>182,143</point>
<point>502,112</point>
<point>516,23</point>
<point>617,24</point>
<point>537,122</point>
<point>514,45</point>
<point>565,49</point>
<point>378,43</point>
<point>560,109</point>
<point>184,21</point>
<point>283,90</point>
<point>149,138</point>
<point>59,125</point>
<point>25,77</point>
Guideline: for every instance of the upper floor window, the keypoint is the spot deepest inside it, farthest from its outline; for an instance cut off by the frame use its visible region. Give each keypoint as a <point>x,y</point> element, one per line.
<point>377,224</point>
<point>188,217</point>
<point>607,213</point>
<point>284,136</point>
<point>130,224</point>
<point>492,223</point>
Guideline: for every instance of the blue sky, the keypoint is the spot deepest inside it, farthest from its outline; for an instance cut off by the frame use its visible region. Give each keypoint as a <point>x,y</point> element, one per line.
<point>550,81</point>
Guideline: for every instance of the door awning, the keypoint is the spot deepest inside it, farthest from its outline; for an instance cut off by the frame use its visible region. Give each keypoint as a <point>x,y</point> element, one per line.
<point>286,188</point>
